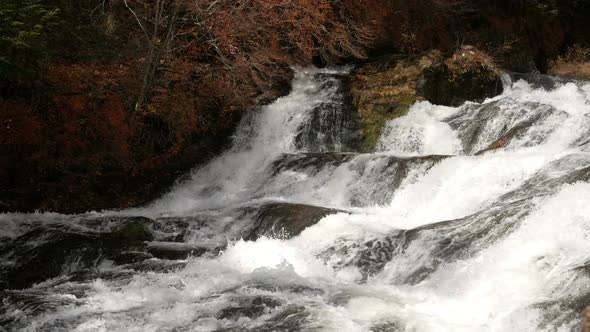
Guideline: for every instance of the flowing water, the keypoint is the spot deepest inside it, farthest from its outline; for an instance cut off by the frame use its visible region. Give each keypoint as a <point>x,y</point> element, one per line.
<point>474,218</point>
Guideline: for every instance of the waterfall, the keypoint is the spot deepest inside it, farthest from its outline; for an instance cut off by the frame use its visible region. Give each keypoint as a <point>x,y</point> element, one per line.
<point>474,218</point>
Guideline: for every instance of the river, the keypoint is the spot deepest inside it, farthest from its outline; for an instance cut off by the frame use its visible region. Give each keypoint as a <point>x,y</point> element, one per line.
<point>475,218</point>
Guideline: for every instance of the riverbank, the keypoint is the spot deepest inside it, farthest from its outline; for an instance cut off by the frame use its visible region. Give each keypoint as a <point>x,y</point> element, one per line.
<point>102,114</point>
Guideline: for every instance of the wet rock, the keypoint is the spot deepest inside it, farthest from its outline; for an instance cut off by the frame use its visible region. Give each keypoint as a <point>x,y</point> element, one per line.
<point>286,220</point>
<point>173,250</point>
<point>481,130</point>
<point>43,254</point>
<point>334,124</point>
<point>453,240</point>
<point>19,306</point>
<point>538,80</point>
<point>563,311</point>
<point>374,178</point>
<point>173,229</point>
<point>130,257</point>
<point>133,233</point>
<point>387,326</point>
<point>311,163</point>
<point>386,88</point>
<point>289,287</point>
<point>16,307</point>
<point>250,307</point>
<point>158,265</point>
<point>82,277</point>
<point>370,257</point>
<point>33,263</point>
<point>507,137</point>
<point>469,75</point>
<point>291,319</point>
<point>381,175</point>
<point>460,239</point>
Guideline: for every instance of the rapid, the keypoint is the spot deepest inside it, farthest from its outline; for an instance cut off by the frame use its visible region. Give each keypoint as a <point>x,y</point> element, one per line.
<point>474,218</point>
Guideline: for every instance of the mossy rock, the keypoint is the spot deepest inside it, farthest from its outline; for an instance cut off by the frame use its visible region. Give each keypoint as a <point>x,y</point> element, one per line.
<point>377,115</point>
<point>440,86</point>
<point>134,232</point>
<point>386,88</point>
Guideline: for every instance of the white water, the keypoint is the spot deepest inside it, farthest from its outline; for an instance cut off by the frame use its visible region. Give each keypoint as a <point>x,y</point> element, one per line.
<point>509,261</point>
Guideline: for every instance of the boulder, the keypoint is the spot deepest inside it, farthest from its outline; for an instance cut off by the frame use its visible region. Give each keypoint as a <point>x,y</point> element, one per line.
<point>252,308</point>
<point>174,250</point>
<point>386,88</point>
<point>469,75</point>
<point>131,234</point>
<point>286,220</point>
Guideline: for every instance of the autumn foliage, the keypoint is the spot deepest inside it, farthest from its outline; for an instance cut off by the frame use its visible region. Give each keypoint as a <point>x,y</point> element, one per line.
<point>155,87</point>
<point>123,96</point>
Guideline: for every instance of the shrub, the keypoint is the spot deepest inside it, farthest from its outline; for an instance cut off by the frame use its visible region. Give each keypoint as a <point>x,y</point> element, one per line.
<point>24,27</point>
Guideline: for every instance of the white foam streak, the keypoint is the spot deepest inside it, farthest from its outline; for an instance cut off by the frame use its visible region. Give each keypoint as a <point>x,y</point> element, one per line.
<point>420,133</point>
<point>461,186</point>
<point>484,292</point>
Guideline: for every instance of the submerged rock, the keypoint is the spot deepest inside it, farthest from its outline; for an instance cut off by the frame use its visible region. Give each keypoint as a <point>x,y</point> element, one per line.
<point>388,326</point>
<point>132,233</point>
<point>311,163</point>
<point>249,307</point>
<point>31,262</point>
<point>174,250</point>
<point>43,254</point>
<point>481,130</point>
<point>291,318</point>
<point>453,240</point>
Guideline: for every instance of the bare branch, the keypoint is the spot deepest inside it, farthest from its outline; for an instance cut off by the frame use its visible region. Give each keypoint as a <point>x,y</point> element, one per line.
<point>138,22</point>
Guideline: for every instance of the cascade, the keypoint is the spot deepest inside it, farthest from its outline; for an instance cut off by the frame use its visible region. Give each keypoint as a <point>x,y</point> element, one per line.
<point>474,218</point>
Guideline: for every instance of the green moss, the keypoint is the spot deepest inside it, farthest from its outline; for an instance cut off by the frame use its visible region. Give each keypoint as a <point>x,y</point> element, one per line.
<point>375,117</point>
<point>384,90</point>
<point>371,133</point>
